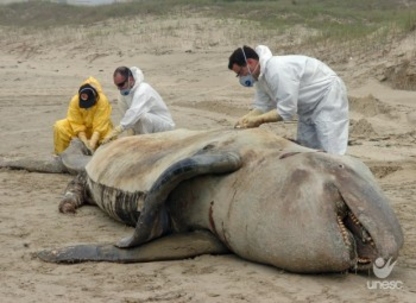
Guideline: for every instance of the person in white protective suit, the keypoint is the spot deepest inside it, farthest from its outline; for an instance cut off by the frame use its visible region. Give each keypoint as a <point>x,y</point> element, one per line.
<point>143,109</point>
<point>294,84</point>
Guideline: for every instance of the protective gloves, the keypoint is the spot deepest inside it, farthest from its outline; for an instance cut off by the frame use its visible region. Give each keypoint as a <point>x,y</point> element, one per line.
<point>130,132</point>
<point>255,121</point>
<point>83,137</point>
<point>252,113</point>
<point>113,135</point>
<point>93,142</point>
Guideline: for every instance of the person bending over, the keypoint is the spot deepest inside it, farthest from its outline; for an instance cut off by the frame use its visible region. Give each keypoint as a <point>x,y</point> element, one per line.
<point>294,84</point>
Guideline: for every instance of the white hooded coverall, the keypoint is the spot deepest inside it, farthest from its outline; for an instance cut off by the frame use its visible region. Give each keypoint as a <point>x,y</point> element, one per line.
<point>143,108</point>
<point>306,86</point>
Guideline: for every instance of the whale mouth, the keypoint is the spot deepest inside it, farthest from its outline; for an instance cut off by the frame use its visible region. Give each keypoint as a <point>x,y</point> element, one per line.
<point>357,239</point>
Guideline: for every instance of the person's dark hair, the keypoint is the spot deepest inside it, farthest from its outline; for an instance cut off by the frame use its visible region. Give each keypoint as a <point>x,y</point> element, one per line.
<point>237,57</point>
<point>123,71</point>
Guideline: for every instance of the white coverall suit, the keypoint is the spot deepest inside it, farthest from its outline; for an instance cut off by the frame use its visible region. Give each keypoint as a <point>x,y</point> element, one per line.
<point>143,108</point>
<point>306,86</point>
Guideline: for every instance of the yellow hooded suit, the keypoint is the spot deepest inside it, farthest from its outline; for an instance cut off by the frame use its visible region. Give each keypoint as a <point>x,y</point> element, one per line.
<point>95,119</point>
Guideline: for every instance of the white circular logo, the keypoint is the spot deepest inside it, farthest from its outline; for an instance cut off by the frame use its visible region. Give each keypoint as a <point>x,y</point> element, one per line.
<point>379,262</point>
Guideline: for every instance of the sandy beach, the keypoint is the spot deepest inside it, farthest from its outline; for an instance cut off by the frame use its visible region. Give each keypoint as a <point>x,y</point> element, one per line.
<point>187,64</point>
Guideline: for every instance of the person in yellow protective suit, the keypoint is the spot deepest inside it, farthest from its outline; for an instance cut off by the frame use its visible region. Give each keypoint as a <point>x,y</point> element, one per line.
<point>88,118</point>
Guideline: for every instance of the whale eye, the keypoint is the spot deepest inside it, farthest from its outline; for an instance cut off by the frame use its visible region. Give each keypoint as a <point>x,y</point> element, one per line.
<point>208,147</point>
<point>341,166</point>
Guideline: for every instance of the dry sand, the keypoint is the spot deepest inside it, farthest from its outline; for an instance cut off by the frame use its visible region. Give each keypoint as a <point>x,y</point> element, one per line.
<point>185,60</point>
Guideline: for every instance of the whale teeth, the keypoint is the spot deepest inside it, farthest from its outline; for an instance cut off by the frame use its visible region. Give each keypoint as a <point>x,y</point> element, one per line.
<point>363,260</point>
<point>344,231</point>
<point>354,218</point>
<point>365,236</point>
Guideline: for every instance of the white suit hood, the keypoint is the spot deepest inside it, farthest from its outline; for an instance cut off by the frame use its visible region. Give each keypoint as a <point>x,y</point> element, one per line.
<point>137,75</point>
<point>264,54</point>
